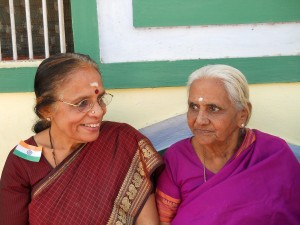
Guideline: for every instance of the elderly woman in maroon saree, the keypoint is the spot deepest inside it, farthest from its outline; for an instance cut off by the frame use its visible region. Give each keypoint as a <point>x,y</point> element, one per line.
<point>104,177</point>
<point>226,173</point>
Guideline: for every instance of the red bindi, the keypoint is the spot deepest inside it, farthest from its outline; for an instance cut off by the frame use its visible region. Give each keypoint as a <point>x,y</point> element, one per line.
<point>96,91</point>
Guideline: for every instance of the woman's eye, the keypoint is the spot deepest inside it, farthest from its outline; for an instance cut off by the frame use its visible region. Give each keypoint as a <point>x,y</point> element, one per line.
<point>193,106</point>
<point>83,104</point>
<point>214,108</point>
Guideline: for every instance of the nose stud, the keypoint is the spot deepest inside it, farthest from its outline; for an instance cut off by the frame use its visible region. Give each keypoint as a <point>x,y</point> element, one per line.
<point>93,111</point>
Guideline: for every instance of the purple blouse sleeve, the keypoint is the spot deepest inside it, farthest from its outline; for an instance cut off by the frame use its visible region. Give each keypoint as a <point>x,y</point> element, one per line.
<point>167,181</point>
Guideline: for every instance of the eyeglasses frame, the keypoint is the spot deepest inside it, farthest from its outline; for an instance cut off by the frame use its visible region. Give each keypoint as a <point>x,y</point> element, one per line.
<point>91,105</point>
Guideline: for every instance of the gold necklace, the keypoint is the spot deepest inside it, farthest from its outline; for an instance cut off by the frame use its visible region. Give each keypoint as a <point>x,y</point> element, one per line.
<point>51,145</point>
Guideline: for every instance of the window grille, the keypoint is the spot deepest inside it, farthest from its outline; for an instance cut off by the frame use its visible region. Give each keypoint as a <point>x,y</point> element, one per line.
<point>34,29</point>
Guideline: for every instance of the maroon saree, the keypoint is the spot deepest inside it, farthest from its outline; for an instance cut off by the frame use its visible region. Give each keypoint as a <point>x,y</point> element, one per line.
<point>105,182</point>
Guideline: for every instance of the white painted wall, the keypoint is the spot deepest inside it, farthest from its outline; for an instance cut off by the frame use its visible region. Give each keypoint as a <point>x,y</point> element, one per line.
<point>121,42</point>
<point>276,109</point>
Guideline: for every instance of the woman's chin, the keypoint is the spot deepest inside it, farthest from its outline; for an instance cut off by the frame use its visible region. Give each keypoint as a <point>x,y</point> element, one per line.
<point>204,140</point>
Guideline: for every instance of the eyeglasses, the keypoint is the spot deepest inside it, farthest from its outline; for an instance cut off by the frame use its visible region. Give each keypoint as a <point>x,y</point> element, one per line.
<point>86,104</point>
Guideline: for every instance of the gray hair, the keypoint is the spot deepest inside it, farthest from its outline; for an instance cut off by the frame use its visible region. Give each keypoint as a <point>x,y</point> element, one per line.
<point>234,81</point>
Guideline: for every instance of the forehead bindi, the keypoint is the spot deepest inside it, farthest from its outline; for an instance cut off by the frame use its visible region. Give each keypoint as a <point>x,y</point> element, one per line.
<point>95,85</point>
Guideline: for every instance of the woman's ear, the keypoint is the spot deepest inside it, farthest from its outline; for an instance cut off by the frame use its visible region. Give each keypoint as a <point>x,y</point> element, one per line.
<point>245,115</point>
<point>46,113</point>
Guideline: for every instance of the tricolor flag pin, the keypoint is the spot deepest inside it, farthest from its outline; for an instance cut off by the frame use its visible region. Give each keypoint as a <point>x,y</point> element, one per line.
<point>28,152</point>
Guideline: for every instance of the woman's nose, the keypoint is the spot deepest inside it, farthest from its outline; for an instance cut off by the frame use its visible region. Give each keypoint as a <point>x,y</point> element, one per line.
<point>202,118</point>
<point>97,109</point>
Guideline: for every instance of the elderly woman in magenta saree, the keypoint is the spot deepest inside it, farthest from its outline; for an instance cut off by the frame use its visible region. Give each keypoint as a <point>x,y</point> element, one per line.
<point>208,180</point>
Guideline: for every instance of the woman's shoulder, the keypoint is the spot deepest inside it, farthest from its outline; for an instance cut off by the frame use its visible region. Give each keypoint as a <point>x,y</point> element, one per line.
<point>269,144</point>
<point>29,141</point>
<point>15,164</point>
<point>27,155</point>
<point>179,148</point>
<point>266,138</point>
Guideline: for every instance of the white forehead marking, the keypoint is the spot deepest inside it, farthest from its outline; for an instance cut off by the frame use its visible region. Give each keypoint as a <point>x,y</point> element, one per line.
<point>200,99</point>
<point>94,84</point>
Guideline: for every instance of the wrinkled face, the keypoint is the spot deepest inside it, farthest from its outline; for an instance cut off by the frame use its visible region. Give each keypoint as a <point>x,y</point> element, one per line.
<point>212,117</point>
<point>67,121</point>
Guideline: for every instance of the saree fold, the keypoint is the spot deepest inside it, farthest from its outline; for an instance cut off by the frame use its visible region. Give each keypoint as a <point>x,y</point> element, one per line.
<point>260,186</point>
<point>105,182</point>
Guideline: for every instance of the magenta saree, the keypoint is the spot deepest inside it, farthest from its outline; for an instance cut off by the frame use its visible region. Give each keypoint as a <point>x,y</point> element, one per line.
<point>260,186</point>
<point>105,182</point>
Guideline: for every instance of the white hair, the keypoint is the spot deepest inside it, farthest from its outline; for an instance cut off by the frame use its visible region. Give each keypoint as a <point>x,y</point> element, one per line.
<point>234,82</point>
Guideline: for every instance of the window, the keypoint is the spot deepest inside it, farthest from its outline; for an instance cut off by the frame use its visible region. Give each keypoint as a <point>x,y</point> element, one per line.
<point>34,29</point>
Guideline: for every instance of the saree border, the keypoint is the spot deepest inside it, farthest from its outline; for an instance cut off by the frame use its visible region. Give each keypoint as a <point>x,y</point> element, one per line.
<point>136,186</point>
<point>56,174</point>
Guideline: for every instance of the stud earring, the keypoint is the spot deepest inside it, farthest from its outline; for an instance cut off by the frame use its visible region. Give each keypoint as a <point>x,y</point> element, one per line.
<point>242,125</point>
<point>48,119</point>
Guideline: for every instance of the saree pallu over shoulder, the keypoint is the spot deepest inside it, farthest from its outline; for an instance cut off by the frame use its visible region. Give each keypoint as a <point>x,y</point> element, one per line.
<point>136,186</point>
<point>106,182</point>
<point>55,173</point>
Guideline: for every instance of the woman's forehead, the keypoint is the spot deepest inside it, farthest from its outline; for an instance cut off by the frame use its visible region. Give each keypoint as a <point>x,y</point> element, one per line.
<point>207,86</point>
<point>83,80</point>
<point>84,76</point>
<point>208,90</point>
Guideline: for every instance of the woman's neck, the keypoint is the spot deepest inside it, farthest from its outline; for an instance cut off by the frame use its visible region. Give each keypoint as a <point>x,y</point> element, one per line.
<point>215,156</point>
<point>55,149</point>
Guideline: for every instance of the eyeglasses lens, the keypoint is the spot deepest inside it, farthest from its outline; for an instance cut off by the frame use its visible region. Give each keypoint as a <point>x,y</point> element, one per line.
<point>86,105</point>
<point>105,100</point>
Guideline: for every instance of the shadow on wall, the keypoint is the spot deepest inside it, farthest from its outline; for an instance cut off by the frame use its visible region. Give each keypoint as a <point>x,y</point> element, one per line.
<point>167,132</point>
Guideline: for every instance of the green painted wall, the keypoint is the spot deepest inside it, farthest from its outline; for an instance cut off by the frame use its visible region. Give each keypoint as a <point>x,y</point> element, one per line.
<point>168,74</point>
<point>85,27</point>
<point>158,13</point>
<point>175,73</point>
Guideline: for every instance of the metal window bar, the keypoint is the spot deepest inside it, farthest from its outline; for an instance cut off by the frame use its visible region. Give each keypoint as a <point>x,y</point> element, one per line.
<point>13,29</point>
<point>62,35</point>
<point>29,32</point>
<point>45,23</point>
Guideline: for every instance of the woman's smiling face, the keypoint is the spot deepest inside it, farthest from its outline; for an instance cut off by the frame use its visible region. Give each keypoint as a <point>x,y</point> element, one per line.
<point>212,117</point>
<point>66,120</point>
